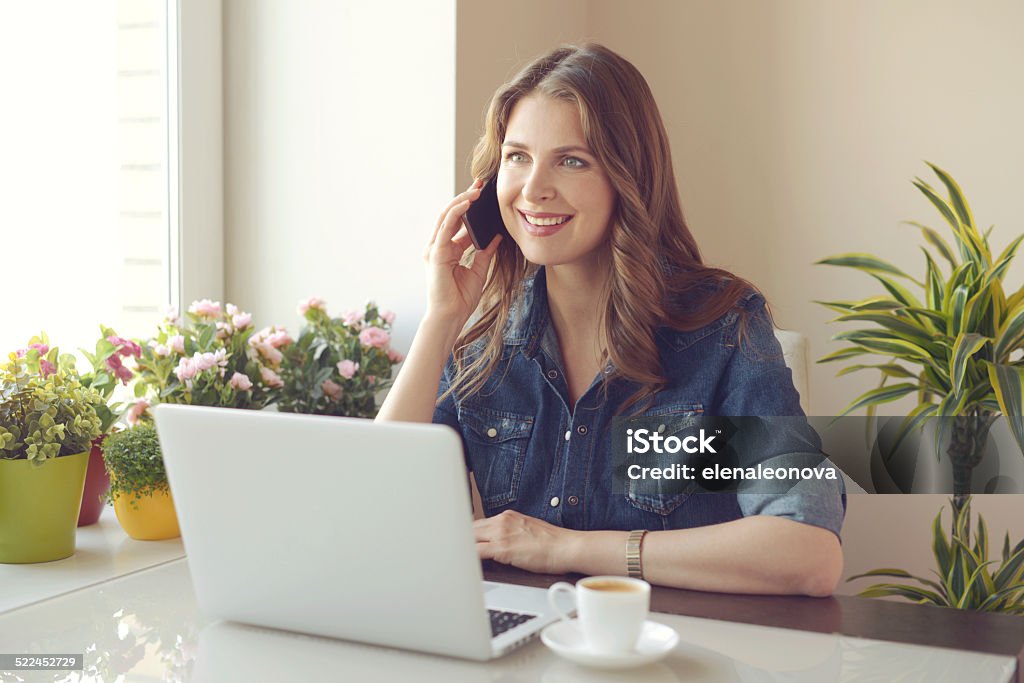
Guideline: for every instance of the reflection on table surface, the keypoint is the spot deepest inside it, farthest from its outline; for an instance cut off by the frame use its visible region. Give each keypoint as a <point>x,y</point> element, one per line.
<point>148,627</point>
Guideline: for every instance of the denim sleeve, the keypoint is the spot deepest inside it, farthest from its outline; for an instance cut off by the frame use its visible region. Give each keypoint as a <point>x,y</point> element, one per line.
<point>757,383</point>
<point>446,412</point>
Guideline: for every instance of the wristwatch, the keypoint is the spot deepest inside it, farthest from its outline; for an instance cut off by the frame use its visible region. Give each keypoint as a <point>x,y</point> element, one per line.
<point>634,569</point>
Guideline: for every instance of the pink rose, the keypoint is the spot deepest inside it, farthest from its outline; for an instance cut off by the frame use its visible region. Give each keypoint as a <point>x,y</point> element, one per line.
<point>279,338</point>
<point>347,368</point>
<point>125,347</point>
<point>241,321</point>
<point>46,368</point>
<point>177,343</point>
<point>186,369</point>
<point>118,370</point>
<point>240,382</point>
<point>374,336</point>
<point>136,411</point>
<point>312,303</point>
<point>332,390</point>
<point>205,308</point>
<point>269,353</point>
<point>388,317</point>
<point>231,309</point>
<point>43,349</point>
<point>395,357</point>
<point>271,378</point>
<point>159,350</point>
<point>224,330</point>
<point>171,315</point>
<point>371,380</point>
<point>350,318</point>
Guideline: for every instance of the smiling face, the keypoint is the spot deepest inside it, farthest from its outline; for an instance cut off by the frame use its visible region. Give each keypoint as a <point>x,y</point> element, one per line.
<point>555,199</point>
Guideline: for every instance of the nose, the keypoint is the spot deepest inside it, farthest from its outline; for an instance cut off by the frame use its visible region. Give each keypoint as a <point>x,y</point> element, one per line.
<point>538,187</point>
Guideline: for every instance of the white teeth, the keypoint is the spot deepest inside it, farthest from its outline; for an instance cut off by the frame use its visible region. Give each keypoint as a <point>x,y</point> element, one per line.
<point>533,220</point>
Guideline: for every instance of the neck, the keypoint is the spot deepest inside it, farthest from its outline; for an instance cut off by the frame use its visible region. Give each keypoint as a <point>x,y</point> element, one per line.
<point>574,293</point>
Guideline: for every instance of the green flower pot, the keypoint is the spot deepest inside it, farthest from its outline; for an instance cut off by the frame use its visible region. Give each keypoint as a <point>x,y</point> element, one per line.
<point>39,508</point>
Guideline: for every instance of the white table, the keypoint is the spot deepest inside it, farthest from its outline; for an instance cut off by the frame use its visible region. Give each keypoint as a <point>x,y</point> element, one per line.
<point>147,626</point>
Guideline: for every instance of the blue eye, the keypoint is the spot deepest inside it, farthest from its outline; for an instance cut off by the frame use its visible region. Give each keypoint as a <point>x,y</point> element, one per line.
<point>510,156</point>
<point>579,163</point>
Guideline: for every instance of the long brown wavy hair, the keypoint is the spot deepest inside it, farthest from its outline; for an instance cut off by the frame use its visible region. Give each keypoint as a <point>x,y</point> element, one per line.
<point>656,266</point>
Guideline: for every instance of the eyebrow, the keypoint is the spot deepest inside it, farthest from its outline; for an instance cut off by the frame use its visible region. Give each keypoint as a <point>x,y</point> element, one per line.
<point>558,150</point>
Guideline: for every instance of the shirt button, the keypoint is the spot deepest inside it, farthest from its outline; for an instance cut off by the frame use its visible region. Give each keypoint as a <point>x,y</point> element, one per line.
<point>554,502</point>
<point>492,432</point>
<point>582,429</point>
<point>552,374</point>
<point>573,500</point>
<point>568,433</point>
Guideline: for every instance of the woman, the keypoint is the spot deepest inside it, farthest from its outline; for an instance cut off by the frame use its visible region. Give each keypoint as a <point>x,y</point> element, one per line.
<point>598,305</point>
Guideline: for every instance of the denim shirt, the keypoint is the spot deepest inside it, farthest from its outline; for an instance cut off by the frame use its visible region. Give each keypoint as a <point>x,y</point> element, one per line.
<point>530,451</point>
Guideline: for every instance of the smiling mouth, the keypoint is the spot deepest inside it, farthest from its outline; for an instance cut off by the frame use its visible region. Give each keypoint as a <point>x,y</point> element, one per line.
<point>545,221</point>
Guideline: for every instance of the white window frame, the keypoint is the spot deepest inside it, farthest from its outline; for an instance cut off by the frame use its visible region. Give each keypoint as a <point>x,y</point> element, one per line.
<point>195,178</point>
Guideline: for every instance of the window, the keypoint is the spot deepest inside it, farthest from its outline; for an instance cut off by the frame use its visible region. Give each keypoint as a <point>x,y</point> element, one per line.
<point>86,206</point>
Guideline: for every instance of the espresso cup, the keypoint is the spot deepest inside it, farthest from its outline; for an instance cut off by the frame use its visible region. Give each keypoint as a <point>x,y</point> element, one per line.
<point>611,610</point>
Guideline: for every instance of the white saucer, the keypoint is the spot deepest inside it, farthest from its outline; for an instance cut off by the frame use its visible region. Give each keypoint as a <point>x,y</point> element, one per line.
<point>565,638</point>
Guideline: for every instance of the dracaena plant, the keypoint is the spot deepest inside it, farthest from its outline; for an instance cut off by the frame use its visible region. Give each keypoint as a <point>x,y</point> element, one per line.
<point>965,577</point>
<point>947,338</point>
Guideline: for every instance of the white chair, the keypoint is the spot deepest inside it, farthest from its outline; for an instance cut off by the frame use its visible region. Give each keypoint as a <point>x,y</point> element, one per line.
<point>795,353</point>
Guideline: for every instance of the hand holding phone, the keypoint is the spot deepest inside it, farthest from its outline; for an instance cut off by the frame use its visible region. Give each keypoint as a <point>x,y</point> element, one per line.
<point>483,218</point>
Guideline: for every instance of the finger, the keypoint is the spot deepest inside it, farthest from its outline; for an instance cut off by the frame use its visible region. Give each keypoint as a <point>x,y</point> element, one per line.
<point>472,193</point>
<point>452,222</point>
<point>485,551</point>
<point>482,260</point>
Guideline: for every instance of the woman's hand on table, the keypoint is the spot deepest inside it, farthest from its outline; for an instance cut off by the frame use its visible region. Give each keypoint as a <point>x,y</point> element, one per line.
<point>524,542</point>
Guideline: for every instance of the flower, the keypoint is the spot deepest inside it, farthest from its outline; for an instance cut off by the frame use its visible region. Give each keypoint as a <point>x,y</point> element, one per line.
<point>312,303</point>
<point>186,369</point>
<point>271,378</point>
<point>347,368</point>
<point>269,353</point>
<point>172,316</point>
<point>205,308</point>
<point>159,350</point>
<point>332,390</point>
<point>395,357</point>
<point>43,349</point>
<point>279,338</point>
<point>350,318</point>
<point>125,347</point>
<point>136,411</point>
<point>231,309</point>
<point>240,382</point>
<point>388,317</point>
<point>241,320</point>
<point>374,336</point>
<point>46,368</point>
<point>224,330</point>
<point>118,370</point>
<point>177,343</point>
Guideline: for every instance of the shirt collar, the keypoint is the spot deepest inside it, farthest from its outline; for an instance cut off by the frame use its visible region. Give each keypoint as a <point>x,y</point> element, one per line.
<point>528,318</point>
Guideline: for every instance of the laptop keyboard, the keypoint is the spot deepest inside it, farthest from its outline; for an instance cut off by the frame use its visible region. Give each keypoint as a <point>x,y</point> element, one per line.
<point>503,621</point>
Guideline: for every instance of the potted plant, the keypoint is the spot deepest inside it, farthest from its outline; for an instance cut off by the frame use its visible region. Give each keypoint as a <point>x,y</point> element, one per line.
<point>965,577</point>
<point>110,366</point>
<point>212,358</point>
<point>47,424</point>
<point>337,366</point>
<point>953,348</point>
<point>138,484</point>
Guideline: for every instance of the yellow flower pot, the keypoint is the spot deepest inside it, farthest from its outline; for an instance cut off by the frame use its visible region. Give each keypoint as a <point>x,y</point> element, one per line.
<point>151,518</point>
<point>39,508</point>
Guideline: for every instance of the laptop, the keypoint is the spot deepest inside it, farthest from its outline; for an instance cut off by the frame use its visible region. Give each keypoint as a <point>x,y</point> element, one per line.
<point>338,527</point>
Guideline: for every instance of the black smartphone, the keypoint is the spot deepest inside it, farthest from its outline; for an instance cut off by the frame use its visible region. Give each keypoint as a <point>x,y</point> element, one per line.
<point>483,219</point>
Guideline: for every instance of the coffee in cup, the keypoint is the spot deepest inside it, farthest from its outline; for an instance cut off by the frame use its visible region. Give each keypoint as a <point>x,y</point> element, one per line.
<point>611,610</point>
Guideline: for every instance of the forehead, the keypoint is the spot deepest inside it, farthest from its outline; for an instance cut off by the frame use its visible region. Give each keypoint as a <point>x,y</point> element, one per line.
<point>541,122</point>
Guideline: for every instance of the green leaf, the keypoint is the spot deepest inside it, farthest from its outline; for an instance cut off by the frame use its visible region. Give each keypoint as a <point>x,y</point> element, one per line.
<point>958,302</point>
<point>901,293</point>
<point>919,595</point>
<point>879,396</point>
<point>1009,335</point>
<point>966,345</point>
<point>997,271</point>
<point>936,241</point>
<point>888,369</point>
<point>1009,389</point>
<point>842,354</point>
<point>865,262</point>
<point>956,196</point>
<point>912,421</point>
<point>940,546</point>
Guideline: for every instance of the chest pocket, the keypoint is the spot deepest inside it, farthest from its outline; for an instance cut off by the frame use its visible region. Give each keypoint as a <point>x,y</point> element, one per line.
<point>496,441</point>
<point>663,496</point>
